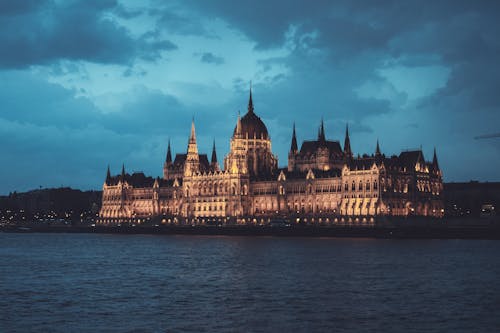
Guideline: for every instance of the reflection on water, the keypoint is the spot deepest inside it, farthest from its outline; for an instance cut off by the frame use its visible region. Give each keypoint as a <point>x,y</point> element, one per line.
<point>141,283</point>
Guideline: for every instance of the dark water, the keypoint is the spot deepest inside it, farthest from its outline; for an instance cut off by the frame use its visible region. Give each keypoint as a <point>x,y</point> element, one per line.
<point>140,283</point>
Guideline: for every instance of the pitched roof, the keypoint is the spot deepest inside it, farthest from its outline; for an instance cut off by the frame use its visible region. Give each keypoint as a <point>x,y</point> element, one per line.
<point>410,158</point>
<point>362,163</point>
<point>180,159</point>
<point>296,174</point>
<point>310,147</point>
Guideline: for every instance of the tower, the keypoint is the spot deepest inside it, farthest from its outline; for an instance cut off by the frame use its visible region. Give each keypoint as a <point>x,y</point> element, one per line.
<point>435,163</point>
<point>168,162</point>
<point>377,150</point>
<point>236,160</point>
<point>192,165</point>
<point>321,133</point>
<point>293,151</point>
<point>214,165</point>
<point>347,144</point>
<point>108,176</point>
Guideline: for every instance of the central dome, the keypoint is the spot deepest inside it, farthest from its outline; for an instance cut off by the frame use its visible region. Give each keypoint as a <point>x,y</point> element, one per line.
<point>251,124</point>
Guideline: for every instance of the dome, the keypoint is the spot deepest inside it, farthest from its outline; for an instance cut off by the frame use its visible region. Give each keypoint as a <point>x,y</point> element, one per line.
<point>251,124</point>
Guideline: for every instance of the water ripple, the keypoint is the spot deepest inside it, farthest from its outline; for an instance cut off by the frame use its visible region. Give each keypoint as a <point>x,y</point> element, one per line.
<point>143,283</point>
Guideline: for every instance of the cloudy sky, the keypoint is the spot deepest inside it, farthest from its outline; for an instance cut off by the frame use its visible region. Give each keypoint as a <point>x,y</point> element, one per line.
<point>87,83</point>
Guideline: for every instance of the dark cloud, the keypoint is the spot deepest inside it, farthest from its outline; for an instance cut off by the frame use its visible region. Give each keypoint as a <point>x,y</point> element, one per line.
<point>28,99</point>
<point>128,13</point>
<point>336,47</point>
<point>171,21</point>
<point>8,8</point>
<point>71,141</point>
<point>332,50</point>
<point>210,58</point>
<point>78,30</point>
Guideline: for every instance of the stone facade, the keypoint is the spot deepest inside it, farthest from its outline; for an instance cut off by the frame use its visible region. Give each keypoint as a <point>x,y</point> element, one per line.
<point>322,182</point>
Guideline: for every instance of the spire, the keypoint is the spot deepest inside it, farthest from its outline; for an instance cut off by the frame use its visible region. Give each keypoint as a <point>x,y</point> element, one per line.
<point>435,159</point>
<point>192,137</point>
<point>377,150</point>
<point>169,153</point>
<point>108,176</point>
<point>347,143</point>
<point>192,147</point>
<point>192,164</point>
<point>250,102</point>
<point>214,154</point>
<point>321,133</point>
<point>123,172</point>
<point>293,147</point>
<point>237,132</point>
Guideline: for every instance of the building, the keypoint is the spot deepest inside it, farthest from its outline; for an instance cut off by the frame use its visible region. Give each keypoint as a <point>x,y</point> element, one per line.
<point>323,182</point>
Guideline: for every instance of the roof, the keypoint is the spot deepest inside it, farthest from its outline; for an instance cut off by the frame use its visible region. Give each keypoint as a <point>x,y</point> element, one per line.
<point>296,174</point>
<point>139,179</point>
<point>410,158</point>
<point>362,163</point>
<point>252,125</point>
<point>310,147</point>
<point>180,160</point>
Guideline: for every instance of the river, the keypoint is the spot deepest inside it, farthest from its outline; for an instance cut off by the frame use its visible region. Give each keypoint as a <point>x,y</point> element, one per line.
<point>166,283</point>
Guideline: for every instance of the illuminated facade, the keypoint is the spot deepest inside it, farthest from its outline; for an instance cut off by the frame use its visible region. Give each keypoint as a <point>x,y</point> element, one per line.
<point>322,182</point>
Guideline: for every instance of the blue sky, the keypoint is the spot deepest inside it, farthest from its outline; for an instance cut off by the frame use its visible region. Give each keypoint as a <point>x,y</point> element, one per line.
<point>84,84</point>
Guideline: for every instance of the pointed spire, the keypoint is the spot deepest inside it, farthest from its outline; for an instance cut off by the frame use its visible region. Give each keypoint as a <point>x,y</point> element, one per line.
<point>237,131</point>
<point>214,154</point>
<point>192,136</point>
<point>293,147</point>
<point>123,172</point>
<point>321,134</point>
<point>192,146</point>
<point>108,176</point>
<point>347,143</point>
<point>377,150</point>
<point>250,102</point>
<point>192,164</point>
<point>435,160</point>
<point>169,153</point>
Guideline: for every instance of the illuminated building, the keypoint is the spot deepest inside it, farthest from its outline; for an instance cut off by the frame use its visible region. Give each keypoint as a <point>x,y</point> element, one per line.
<point>322,182</point>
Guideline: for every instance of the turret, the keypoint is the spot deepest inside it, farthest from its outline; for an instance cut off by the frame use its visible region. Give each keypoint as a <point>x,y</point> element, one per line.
<point>250,102</point>
<point>321,132</point>
<point>293,148</point>
<point>213,163</point>
<point>347,144</point>
<point>435,163</point>
<point>167,166</point>
<point>237,132</point>
<point>192,146</point>
<point>108,176</point>
<point>123,172</point>
<point>377,150</point>
<point>168,160</point>
<point>192,159</point>
<point>293,151</point>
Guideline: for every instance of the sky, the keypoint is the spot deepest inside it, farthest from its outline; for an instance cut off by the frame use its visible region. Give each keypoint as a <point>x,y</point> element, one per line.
<point>89,83</point>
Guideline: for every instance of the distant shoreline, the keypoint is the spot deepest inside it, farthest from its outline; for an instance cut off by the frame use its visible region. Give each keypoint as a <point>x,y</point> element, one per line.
<point>399,232</point>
